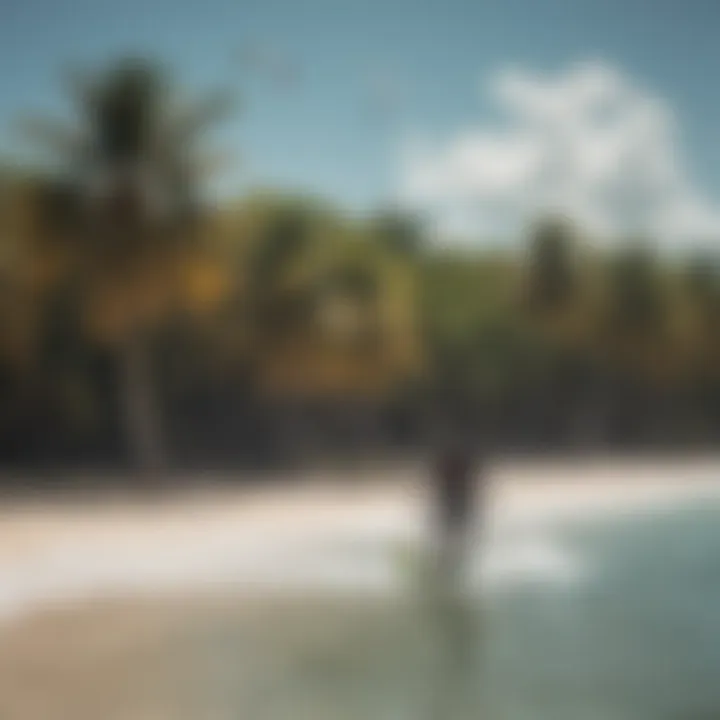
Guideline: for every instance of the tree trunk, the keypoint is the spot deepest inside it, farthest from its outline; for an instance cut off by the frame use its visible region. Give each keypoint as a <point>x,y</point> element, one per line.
<point>142,422</point>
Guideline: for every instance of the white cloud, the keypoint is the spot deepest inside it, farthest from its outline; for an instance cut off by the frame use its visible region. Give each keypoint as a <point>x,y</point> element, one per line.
<point>588,142</point>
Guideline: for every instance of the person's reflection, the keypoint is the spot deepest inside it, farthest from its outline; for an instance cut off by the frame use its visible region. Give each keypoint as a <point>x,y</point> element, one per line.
<point>456,631</point>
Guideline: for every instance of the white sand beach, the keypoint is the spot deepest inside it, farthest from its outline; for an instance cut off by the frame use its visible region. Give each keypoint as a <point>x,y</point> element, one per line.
<point>245,538</point>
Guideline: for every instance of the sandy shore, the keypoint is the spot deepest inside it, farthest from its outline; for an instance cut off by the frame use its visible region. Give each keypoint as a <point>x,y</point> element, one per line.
<point>90,548</point>
<point>31,525</point>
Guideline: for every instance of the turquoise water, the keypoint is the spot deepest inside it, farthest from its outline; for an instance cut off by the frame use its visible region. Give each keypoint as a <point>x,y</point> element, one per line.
<point>633,634</point>
<point>638,637</point>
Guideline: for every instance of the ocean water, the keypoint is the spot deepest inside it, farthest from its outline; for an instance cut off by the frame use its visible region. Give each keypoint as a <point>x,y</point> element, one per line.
<point>637,635</point>
<point>612,617</point>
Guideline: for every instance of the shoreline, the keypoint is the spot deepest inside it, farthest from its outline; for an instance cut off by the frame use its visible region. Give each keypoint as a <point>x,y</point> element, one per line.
<point>206,537</point>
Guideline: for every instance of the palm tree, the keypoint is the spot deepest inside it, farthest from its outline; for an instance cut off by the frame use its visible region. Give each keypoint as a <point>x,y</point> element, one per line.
<point>131,169</point>
<point>702,282</point>
<point>634,328</point>
<point>327,310</point>
<point>702,292</point>
<point>18,302</point>
<point>551,281</point>
<point>551,300</point>
<point>398,232</point>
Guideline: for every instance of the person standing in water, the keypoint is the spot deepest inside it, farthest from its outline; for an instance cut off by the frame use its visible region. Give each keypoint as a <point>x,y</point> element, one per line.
<point>455,480</point>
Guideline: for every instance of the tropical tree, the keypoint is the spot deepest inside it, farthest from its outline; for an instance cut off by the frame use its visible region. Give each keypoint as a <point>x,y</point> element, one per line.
<point>18,303</point>
<point>701,341</point>
<point>324,306</point>
<point>555,302</point>
<point>635,306</point>
<point>399,232</point>
<point>18,306</point>
<point>127,216</point>
<point>634,332</point>
<point>702,288</point>
<point>551,282</point>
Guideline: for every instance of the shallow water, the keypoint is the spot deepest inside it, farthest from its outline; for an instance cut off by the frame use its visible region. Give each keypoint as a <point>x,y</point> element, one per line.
<point>606,618</point>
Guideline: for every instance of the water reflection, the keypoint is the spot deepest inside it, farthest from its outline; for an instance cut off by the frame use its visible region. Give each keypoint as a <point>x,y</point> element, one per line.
<point>455,624</point>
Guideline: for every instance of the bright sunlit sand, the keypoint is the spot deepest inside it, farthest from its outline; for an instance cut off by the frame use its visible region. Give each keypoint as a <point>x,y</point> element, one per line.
<point>313,534</point>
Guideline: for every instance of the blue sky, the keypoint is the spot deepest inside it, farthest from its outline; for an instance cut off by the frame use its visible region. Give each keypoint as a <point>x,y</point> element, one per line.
<point>329,133</point>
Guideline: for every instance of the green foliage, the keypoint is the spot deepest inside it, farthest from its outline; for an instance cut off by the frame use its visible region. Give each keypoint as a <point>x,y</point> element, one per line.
<point>292,296</point>
<point>552,279</point>
<point>398,232</point>
<point>635,301</point>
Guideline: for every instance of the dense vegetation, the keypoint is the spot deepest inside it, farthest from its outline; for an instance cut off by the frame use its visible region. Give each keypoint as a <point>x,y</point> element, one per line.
<point>142,324</point>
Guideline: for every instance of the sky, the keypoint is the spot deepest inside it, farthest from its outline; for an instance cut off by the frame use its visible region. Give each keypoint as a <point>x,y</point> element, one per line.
<point>475,114</point>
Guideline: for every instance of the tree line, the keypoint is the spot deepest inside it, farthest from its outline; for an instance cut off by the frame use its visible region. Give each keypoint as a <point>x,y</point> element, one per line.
<point>144,325</point>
